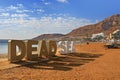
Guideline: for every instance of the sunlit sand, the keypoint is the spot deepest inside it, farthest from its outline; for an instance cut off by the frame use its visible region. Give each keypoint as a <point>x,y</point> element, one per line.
<point>90,62</point>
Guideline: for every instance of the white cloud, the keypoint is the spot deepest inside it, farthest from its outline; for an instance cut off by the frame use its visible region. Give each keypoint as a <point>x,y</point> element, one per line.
<point>4,14</point>
<point>2,10</point>
<point>19,15</point>
<point>22,11</point>
<point>63,1</point>
<point>16,23</point>
<point>20,28</point>
<point>18,6</point>
<point>40,10</point>
<point>47,3</point>
<point>11,7</point>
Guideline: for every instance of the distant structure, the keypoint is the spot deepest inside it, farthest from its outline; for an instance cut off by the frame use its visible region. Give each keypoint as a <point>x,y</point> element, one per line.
<point>116,34</point>
<point>112,40</point>
<point>98,36</point>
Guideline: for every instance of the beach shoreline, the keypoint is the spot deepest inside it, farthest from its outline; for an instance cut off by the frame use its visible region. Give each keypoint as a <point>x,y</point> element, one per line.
<point>3,55</point>
<point>90,62</point>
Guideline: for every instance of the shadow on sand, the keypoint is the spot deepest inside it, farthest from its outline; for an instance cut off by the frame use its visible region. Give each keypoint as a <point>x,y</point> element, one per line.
<point>64,63</point>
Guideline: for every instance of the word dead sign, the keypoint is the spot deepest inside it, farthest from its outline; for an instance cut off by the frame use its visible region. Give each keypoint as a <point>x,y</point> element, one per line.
<point>18,49</point>
<point>32,50</point>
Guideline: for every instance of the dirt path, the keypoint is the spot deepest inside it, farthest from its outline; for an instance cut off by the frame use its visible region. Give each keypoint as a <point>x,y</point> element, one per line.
<point>94,64</point>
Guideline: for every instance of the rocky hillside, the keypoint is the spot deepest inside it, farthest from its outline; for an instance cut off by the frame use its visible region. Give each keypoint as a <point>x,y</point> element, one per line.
<point>106,26</point>
<point>48,36</point>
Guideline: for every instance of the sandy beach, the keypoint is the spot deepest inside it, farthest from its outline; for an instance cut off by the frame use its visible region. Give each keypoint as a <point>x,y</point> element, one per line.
<point>3,55</point>
<point>90,62</point>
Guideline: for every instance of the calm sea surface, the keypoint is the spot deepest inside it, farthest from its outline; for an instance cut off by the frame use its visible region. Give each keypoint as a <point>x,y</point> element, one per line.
<point>3,47</point>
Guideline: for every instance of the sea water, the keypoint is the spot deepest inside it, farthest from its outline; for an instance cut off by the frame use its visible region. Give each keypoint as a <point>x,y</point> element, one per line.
<point>3,47</point>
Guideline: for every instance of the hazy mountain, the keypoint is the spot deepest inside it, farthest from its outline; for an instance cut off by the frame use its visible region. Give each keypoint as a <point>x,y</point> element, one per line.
<point>48,36</point>
<point>106,26</point>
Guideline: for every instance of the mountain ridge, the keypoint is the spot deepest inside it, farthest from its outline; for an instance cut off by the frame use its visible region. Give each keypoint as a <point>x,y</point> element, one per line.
<point>48,36</point>
<point>107,26</point>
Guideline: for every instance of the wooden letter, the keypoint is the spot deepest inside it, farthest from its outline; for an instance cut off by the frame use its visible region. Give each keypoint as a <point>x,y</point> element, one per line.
<point>13,55</point>
<point>62,45</point>
<point>42,49</point>
<point>30,50</point>
<point>52,48</point>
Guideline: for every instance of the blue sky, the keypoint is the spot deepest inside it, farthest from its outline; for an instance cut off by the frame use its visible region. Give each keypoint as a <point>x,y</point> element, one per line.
<point>25,19</point>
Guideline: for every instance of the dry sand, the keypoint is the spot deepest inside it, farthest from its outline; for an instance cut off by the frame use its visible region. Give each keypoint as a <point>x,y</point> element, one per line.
<point>91,62</point>
<point>3,56</point>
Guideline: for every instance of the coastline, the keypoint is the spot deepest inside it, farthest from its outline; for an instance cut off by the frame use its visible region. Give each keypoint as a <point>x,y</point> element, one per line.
<point>3,55</point>
<point>90,62</point>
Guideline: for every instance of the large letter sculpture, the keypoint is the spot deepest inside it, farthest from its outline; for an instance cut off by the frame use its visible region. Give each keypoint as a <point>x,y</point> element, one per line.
<point>42,49</point>
<point>52,48</point>
<point>31,52</point>
<point>13,55</point>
